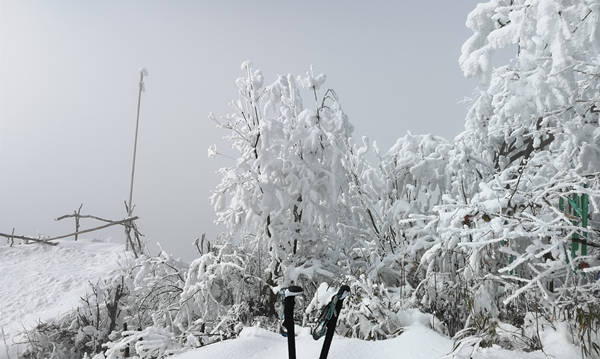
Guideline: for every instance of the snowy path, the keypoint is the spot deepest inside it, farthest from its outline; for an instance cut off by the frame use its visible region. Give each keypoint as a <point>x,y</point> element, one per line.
<point>417,342</point>
<point>41,282</point>
<point>255,343</point>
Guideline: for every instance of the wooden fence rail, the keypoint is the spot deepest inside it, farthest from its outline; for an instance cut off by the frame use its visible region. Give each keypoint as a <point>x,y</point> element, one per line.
<point>126,221</point>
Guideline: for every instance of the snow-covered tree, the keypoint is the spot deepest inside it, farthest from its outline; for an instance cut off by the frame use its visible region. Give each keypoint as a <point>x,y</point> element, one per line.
<point>285,195</point>
<point>531,146</point>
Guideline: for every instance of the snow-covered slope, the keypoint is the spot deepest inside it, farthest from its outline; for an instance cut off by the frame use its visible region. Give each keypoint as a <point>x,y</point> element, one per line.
<point>40,282</point>
<point>417,342</point>
<point>255,343</point>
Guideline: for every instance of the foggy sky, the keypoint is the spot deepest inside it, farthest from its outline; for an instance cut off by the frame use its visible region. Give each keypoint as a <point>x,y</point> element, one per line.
<point>68,92</point>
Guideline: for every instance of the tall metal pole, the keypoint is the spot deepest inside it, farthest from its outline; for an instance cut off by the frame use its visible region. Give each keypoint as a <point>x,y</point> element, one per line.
<point>137,125</point>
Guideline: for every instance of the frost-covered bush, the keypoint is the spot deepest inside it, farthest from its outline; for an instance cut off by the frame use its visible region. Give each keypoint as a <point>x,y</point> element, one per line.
<point>286,201</point>
<point>144,295</point>
<point>83,330</point>
<point>374,311</point>
<point>150,342</point>
<point>531,142</point>
<point>222,292</point>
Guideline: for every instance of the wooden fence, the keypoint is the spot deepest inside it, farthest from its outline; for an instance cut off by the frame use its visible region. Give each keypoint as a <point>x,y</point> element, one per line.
<point>131,231</point>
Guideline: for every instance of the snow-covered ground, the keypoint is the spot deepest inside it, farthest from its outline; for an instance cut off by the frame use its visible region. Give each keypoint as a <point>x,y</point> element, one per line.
<point>39,282</point>
<point>256,343</point>
<point>417,342</point>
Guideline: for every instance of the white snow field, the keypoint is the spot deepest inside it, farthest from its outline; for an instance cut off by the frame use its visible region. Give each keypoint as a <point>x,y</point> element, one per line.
<point>40,282</point>
<point>417,342</point>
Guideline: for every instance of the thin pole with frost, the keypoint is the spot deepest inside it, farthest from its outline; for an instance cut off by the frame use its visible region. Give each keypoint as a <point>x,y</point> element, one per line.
<point>143,73</point>
<point>129,207</point>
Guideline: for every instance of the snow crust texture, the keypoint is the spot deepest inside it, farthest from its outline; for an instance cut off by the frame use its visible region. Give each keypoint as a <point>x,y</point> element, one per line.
<point>43,282</point>
<point>255,343</point>
<point>417,342</point>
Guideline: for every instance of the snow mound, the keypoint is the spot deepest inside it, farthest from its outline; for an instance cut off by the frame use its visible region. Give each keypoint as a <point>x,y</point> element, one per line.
<point>256,343</point>
<point>417,342</point>
<point>41,282</point>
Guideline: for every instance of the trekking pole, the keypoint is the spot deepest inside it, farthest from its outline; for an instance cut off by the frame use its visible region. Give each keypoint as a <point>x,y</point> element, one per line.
<point>331,323</point>
<point>289,301</point>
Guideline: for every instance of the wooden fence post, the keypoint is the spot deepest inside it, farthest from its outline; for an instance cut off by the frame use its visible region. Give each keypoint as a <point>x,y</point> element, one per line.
<point>77,214</point>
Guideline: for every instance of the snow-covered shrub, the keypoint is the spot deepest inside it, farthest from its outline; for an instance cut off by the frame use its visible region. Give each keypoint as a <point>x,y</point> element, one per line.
<point>221,292</point>
<point>286,201</point>
<point>374,311</point>
<point>282,192</point>
<point>150,342</point>
<point>54,340</point>
<point>83,330</point>
<point>531,143</point>
<point>143,294</point>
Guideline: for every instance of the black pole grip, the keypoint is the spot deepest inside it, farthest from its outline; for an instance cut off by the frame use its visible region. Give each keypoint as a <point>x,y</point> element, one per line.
<point>288,324</point>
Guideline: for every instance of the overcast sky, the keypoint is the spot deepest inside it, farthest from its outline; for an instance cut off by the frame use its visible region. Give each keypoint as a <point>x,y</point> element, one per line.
<point>68,92</point>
